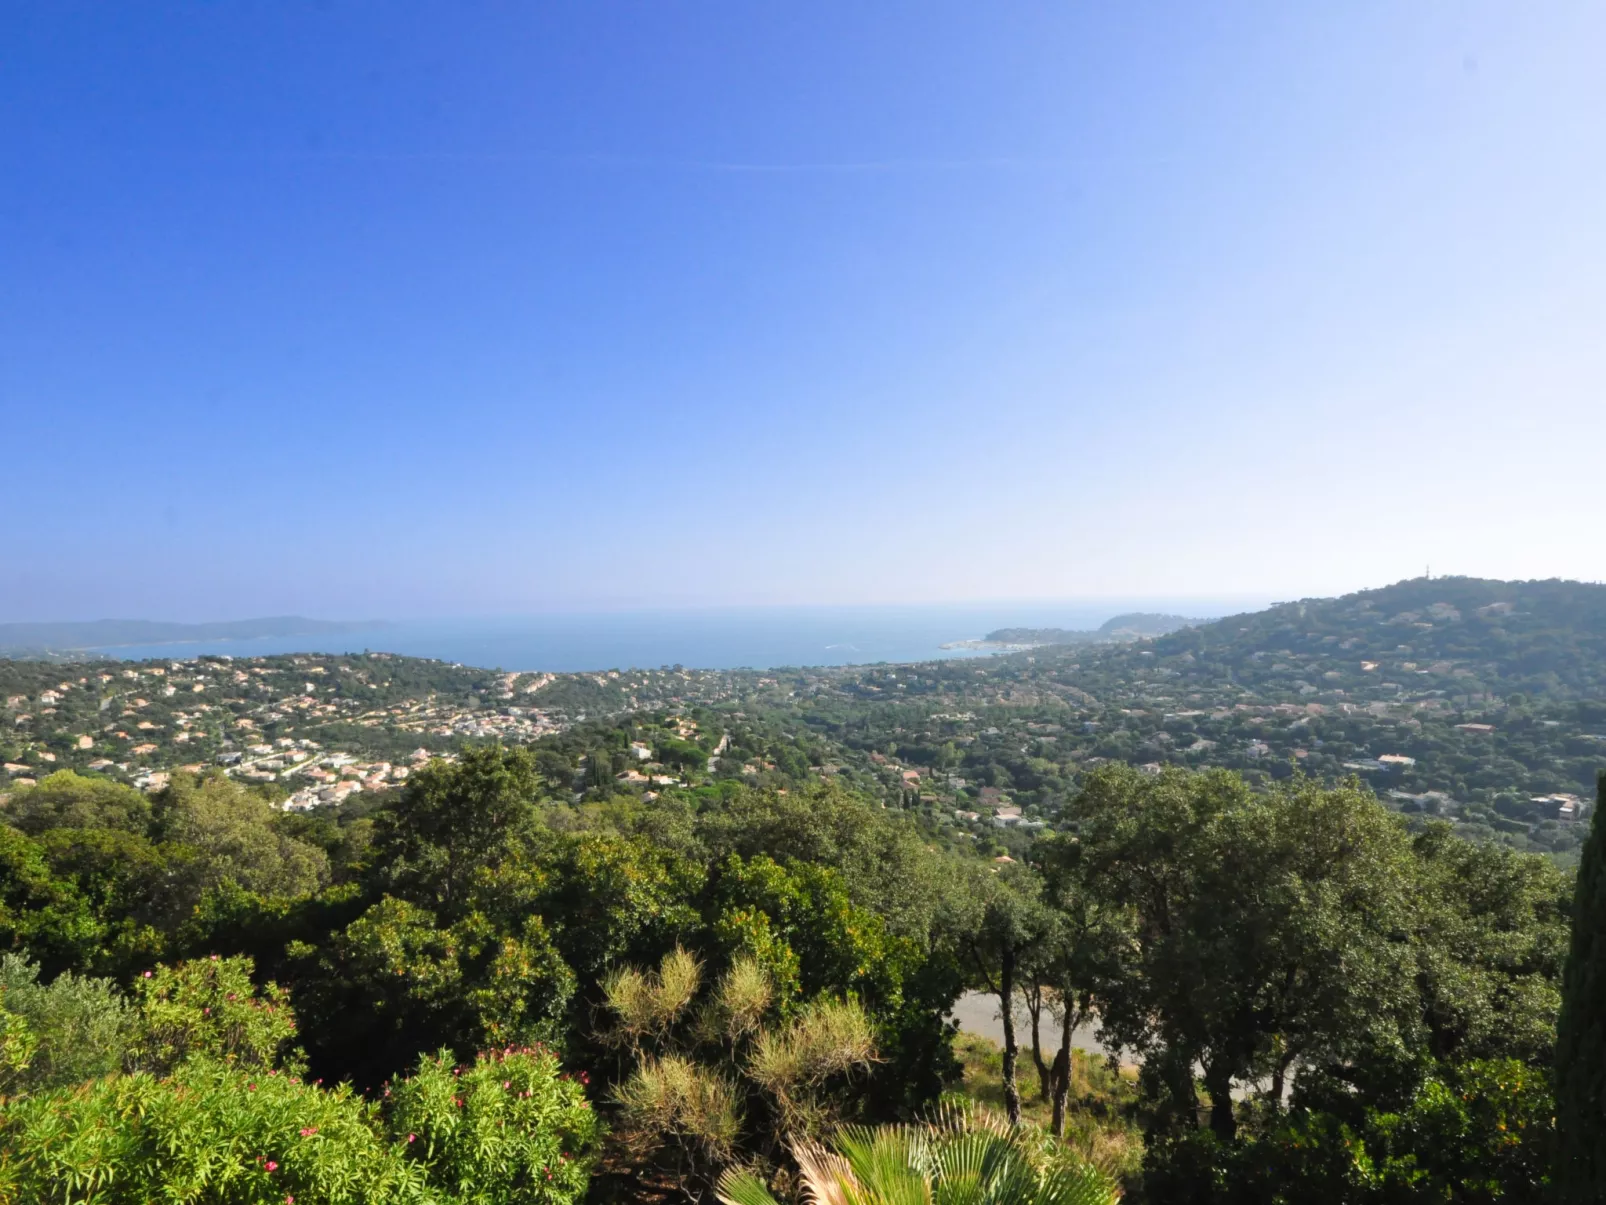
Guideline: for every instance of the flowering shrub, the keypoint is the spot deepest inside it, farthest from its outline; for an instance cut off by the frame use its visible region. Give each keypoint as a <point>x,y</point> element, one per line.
<point>210,1133</point>
<point>215,1116</point>
<point>210,1007</point>
<point>508,1130</point>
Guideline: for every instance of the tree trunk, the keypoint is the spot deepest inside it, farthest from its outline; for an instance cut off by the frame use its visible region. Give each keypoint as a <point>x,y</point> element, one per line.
<point>1006,996</point>
<point>1062,1070</point>
<point>1279,1079</point>
<point>1218,1083</point>
<point>1034,1007</point>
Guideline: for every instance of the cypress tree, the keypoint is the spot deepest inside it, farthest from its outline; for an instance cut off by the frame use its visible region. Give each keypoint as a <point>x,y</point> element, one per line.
<point>1581,1033</point>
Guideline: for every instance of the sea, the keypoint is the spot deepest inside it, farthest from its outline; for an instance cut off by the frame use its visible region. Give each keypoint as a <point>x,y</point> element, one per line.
<point>712,638</point>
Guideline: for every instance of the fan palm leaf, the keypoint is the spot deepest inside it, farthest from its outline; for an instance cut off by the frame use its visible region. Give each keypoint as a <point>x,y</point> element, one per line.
<point>961,1158</point>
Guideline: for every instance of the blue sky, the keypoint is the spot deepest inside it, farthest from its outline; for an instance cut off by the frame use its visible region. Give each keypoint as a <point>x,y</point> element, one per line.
<point>414,308</point>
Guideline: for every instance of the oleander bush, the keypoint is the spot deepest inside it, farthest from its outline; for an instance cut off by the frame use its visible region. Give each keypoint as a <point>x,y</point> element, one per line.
<point>210,1106</point>
<point>208,1133</point>
<point>509,1129</point>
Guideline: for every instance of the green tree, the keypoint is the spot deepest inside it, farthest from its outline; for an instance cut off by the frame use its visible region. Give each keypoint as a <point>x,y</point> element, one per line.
<point>608,898</point>
<point>801,922</point>
<point>885,865</point>
<point>236,834</point>
<point>68,800</point>
<point>1581,1034</point>
<point>42,916</point>
<point>1479,1134</point>
<point>454,820</point>
<point>1007,922</point>
<point>1069,971</point>
<point>1266,926</point>
<point>396,981</point>
<point>1491,939</point>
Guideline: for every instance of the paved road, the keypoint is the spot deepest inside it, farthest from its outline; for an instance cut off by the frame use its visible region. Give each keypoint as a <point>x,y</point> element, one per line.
<point>978,1014</point>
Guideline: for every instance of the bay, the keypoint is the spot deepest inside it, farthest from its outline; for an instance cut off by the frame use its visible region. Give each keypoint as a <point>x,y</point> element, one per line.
<point>706,638</point>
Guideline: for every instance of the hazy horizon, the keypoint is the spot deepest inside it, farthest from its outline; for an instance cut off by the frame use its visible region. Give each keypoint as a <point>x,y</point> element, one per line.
<point>1203,608</point>
<point>703,638</point>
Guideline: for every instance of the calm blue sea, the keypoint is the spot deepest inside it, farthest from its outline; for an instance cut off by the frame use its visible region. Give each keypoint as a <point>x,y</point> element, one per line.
<point>755,637</point>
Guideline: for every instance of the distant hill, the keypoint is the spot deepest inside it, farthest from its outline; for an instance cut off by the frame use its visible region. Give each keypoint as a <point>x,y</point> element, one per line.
<point>1459,635</point>
<point>1132,626</point>
<point>25,639</point>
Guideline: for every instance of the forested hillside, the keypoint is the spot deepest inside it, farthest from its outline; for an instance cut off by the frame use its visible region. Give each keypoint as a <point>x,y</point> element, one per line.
<point>1332,689</point>
<point>1467,637</point>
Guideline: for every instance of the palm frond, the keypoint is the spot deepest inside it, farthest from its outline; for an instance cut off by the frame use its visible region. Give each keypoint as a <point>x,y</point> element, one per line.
<point>743,1186</point>
<point>962,1156</point>
<point>888,1162</point>
<point>826,1177</point>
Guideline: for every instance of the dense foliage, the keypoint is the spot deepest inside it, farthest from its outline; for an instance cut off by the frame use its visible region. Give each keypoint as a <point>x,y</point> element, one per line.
<point>192,1090</point>
<point>1581,1040</point>
<point>493,965</point>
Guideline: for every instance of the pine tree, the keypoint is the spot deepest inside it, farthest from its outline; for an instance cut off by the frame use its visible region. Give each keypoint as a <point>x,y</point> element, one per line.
<point>1581,1034</point>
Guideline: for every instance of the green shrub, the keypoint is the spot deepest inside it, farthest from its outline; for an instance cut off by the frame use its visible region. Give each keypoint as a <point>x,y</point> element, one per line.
<point>210,1007</point>
<point>509,1130</point>
<point>1483,1133</point>
<point>78,1028</point>
<point>211,1133</point>
<point>1477,1134</point>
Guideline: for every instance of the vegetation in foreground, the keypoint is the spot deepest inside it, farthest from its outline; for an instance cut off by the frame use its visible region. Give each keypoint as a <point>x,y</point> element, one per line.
<point>528,1001</point>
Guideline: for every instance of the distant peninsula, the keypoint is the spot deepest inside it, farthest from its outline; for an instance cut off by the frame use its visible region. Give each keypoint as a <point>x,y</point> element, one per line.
<point>1133,626</point>
<point>25,639</point>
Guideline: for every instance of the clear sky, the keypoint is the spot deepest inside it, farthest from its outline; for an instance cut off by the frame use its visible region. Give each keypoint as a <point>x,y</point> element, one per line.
<point>401,308</point>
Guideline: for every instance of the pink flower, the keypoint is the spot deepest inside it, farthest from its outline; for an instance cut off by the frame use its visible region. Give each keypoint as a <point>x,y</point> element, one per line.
<point>411,1137</point>
<point>308,1131</point>
<point>147,974</point>
<point>251,1087</point>
<point>272,1166</point>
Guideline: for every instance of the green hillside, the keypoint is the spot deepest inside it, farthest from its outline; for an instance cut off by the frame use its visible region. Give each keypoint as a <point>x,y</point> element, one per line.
<point>1464,636</point>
